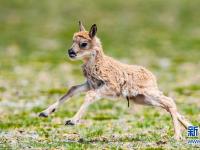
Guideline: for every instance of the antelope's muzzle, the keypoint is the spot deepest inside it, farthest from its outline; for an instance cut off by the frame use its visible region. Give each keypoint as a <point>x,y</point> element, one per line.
<point>71,53</point>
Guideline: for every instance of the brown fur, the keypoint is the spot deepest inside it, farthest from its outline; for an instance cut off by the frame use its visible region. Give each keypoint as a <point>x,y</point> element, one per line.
<point>107,77</point>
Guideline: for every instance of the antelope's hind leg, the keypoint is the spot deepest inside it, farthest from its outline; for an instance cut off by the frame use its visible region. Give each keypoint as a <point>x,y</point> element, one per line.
<point>168,104</point>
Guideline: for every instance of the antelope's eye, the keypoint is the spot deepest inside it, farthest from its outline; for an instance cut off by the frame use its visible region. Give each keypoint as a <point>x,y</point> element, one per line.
<point>83,45</point>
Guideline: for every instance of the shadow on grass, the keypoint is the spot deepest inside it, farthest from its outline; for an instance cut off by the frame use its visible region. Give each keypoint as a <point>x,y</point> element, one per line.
<point>115,139</point>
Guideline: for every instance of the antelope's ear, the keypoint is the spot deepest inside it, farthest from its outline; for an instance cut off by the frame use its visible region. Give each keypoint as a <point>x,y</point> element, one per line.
<point>81,27</point>
<point>93,31</point>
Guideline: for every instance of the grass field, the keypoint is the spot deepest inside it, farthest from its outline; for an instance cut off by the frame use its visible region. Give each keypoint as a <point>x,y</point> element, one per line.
<point>163,36</point>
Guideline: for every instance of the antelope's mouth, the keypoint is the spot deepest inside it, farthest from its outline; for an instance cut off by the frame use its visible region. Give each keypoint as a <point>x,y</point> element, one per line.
<point>72,55</point>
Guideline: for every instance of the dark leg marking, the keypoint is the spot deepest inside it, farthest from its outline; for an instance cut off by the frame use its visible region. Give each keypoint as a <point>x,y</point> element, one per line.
<point>53,110</point>
<point>69,122</point>
<point>42,114</point>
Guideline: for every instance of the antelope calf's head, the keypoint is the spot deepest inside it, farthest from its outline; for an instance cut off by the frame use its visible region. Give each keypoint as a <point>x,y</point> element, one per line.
<point>84,43</point>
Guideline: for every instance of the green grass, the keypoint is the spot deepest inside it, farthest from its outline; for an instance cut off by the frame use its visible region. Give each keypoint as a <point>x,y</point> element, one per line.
<point>163,36</point>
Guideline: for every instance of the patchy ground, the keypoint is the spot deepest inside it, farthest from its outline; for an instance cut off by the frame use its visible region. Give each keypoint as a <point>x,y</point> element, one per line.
<point>34,72</point>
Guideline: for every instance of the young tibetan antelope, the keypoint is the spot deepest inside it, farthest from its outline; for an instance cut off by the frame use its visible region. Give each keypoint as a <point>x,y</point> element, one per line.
<point>109,78</point>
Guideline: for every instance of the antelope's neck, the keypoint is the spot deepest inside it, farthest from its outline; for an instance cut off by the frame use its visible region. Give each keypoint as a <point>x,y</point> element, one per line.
<point>91,70</point>
<point>95,60</point>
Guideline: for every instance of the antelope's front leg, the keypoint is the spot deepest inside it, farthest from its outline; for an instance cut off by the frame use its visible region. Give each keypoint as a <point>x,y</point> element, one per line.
<point>72,91</point>
<point>90,97</point>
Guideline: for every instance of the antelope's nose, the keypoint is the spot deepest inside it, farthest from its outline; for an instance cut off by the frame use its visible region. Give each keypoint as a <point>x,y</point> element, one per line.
<point>71,53</point>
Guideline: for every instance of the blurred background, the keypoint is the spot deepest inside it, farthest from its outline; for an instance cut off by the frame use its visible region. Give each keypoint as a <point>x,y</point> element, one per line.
<point>163,36</point>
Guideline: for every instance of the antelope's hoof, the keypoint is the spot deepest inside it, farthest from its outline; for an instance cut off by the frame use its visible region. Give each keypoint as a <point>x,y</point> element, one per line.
<point>69,122</point>
<point>178,138</point>
<point>42,114</point>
